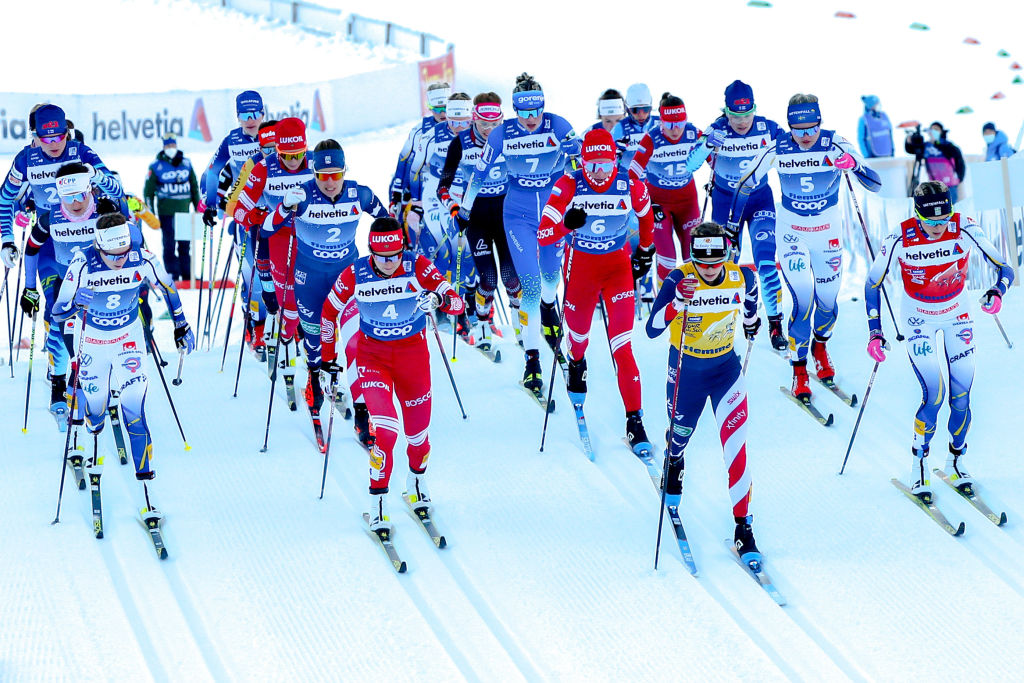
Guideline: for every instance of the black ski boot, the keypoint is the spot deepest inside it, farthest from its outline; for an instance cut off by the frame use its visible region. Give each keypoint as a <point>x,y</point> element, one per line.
<point>58,391</point>
<point>550,325</point>
<point>362,426</point>
<point>743,539</point>
<point>775,334</point>
<point>636,435</point>
<point>577,383</point>
<point>532,376</point>
<point>314,392</point>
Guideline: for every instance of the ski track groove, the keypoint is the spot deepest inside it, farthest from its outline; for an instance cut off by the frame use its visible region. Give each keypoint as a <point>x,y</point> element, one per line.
<point>668,538</point>
<point>447,640</point>
<point>192,618</point>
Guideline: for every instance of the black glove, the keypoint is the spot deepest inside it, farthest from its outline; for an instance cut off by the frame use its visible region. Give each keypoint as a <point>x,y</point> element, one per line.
<point>732,231</point>
<point>331,368</point>
<point>210,217</point>
<point>270,301</point>
<point>30,301</point>
<point>574,219</point>
<point>641,261</point>
<point>461,223</point>
<point>751,329</point>
<point>659,213</point>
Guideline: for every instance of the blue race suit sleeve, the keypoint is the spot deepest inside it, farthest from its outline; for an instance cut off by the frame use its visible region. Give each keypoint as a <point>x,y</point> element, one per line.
<point>656,323</point>
<point>212,175</point>
<point>368,201</point>
<point>14,183</point>
<point>492,150</point>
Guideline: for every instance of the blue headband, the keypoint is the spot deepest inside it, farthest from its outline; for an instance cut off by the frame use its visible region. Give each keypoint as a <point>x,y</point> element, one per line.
<point>528,99</point>
<point>328,158</point>
<point>806,112</point>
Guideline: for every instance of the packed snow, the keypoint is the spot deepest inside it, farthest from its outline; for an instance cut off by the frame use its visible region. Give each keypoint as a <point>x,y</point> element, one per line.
<point>549,570</point>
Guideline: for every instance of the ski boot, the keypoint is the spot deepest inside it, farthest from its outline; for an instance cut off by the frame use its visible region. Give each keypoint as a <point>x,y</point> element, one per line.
<point>636,435</point>
<point>673,485</point>
<point>533,378</point>
<point>464,328</point>
<point>416,490</point>
<point>801,386</point>
<point>515,312</point>
<point>257,345</point>
<point>577,382</point>
<point>550,326</point>
<point>743,540</point>
<point>314,392</point>
<point>59,401</point>
<point>822,362</point>
<point>361,423</point>
<point>481,332</point>
<point>958,474</point>
<point>775,334</point>
<point>380,520</point>
<point>922,486</point>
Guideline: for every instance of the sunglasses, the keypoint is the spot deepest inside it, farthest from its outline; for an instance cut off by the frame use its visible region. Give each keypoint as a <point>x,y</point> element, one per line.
<point>639,110</point>
<point>603,166</point>
<point>334,176</point>
<point>268,150</point>
<point>292,156</point>
<point>673,125</point>
<point>739,114</point>
<point>393,258</point>
<point>51,139</point>
<point>439,109</point>
<point>77,197</point>
<point>933,222</point>
<point>805,132</point>
<point>249,115</point>
<point>117,257</point>
<point>706,265</point>
<point>530,113</point>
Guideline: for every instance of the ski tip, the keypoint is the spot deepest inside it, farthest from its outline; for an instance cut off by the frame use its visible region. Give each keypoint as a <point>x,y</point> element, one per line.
<point>1002,519</point>
<point>442,542</point>
<point>829,420</point>
<point>400,568</point>
<point>960,529</point>
<point>853,401</point>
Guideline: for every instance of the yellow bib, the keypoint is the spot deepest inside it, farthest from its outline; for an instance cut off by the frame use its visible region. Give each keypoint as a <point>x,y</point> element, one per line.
<point>712,313</point>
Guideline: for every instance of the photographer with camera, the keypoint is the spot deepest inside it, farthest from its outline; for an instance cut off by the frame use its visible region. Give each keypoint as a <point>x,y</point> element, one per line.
<point>942,159</point>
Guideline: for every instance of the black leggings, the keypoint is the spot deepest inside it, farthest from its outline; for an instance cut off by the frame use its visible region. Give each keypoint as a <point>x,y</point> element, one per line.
<point>486,235</point>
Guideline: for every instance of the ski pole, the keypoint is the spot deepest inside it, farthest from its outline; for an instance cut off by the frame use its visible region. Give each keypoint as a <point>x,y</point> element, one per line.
<point>860,414</point>
<point>170,400</point>
<point>871,251</point>
<point>10,322</point>
<point>273,384</point>
<point>458,283</point>
<point>604,317</point>
<point>213,325</point>
<point>451,377</point>
<point>1009,343</point>
<point>746,356</point>
<point>710,187</point>
<point>234,298</point>
<point>671,431</point>
<point>71,414</point>
<point>330,430</point>
<point>202,275</point>
<point>181,361</point>
<point>17,288</point>
<point>214,262</point>
<point>554,358</point>
<point>28,383</point>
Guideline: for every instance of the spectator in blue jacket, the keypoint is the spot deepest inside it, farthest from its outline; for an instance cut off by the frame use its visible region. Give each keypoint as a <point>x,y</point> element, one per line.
<point>874,132</point>
<point>998,146</point>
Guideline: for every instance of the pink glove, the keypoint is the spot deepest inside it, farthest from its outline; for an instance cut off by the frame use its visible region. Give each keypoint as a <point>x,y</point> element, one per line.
<point>686,288</point>
<point>991,301</point>
<point>844,162</point>
<point>876,347</point>
<point>22,220</point>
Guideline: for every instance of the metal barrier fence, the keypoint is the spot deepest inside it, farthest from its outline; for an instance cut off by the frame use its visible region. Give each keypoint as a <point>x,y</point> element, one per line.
<point>332,21</point>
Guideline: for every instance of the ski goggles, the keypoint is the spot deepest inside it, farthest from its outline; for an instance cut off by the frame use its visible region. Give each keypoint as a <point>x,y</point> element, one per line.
<point>740,114</point>
<point>390,258</point>
<point>673,125</point>
<point>439,109</point>
<point>249,115</point>
<point>530,113</point>
<point>52,139</point>
<point>934,222</point>
<point>640,110</point>
<point>75,197</point>
<point>268,150</point>
<point>117,258</point>
<point>333,176</point>
<point>595,166</point>
<point>805,132</point>
<point>292,156</point>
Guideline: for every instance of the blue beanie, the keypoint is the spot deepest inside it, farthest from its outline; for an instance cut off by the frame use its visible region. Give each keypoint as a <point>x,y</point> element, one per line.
<point>248,101</point>
<point>870,101</point>
<point>739,97</point>
<point>328,158</point>
<point>50,120</point>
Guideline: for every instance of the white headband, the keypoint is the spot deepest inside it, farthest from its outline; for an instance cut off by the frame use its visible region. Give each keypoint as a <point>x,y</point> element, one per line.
<point>459,109</point>
<point>73,184</point>
<point>113,238</point>
<point>614,107</point>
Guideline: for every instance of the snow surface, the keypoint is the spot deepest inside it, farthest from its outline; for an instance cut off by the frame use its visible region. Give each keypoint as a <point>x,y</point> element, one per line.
<point>549,570</point>
<point>548,574</point>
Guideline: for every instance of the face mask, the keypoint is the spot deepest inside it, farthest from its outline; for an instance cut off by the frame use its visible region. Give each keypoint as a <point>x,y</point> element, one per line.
<point>935,134</point>
<point>170,152</point>
<point>989,138</point>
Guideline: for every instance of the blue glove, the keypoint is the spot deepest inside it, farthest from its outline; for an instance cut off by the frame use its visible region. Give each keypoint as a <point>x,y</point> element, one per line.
<point>84,297</point>
<point>715,137</point>
<point>184,338</point>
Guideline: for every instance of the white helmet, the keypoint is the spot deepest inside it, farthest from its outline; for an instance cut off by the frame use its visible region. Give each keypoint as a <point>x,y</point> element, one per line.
<point>638,95</point>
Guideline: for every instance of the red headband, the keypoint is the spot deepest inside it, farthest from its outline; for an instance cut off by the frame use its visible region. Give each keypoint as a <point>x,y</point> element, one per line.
<point>673,113</point>
<point>381,242</point>
<point>487,111</point>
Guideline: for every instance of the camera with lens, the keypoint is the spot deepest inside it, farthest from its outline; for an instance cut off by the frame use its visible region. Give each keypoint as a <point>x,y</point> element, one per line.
<point>915,142</point>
